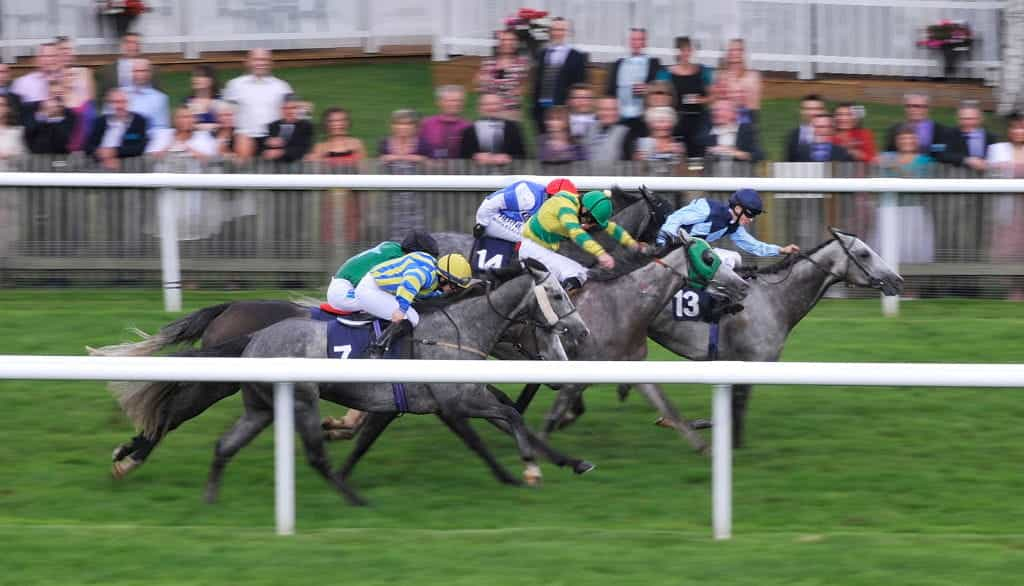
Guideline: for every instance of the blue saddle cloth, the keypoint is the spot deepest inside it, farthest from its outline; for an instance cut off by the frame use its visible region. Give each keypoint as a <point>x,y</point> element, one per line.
<point>492,253</point>
<point>344,342</point>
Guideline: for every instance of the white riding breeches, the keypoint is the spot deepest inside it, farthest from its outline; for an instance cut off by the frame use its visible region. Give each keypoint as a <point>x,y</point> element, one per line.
<point>378,302</point>
<point>730,258</point>
<point>504,229</point>
<point>341,295</point>
<point>562,267</point>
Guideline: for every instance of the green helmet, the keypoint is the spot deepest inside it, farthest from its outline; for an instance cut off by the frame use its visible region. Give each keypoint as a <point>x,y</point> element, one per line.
<point>599,205</point>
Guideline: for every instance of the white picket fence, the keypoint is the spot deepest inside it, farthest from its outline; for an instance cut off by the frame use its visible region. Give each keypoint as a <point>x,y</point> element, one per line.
<point>285,371</point>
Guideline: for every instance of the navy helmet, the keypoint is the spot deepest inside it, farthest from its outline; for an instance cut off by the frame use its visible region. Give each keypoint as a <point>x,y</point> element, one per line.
<point>748,199</point>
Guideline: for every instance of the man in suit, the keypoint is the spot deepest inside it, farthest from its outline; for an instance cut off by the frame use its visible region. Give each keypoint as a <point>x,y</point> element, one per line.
<point>810,106</point>
<point>118,135</point>
<point>290,138</point>
<point>119,73</point>
<point>492,140</point>
<point>605,141</point>
<point>727,139</point>
<point>821,149</point>
<point>559,67</point>
<point>13,101</point>
<point>931,135</point>
<point>628,77</point>
<point>967,144</point>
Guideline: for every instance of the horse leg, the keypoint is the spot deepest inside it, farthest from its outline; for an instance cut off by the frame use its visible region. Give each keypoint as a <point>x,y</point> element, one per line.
<point>189,402</point>
<point>307,424</point>
<point>373,425</point>
<point>485,405</point>
<point>657,398</point>
<point>525,396</point>
<point>564,401</point>
<point>740,400</point>
<point>461,427</point>
<point>623,392</point>
<point>248,426</point>
<point>557,458</point>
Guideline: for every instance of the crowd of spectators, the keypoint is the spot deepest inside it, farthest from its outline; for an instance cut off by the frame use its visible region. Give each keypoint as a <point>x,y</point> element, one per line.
<point>664,115</point>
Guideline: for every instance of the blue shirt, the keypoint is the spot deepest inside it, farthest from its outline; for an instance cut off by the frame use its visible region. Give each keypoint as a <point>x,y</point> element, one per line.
<point>150,103</point>
<point>697,215</point>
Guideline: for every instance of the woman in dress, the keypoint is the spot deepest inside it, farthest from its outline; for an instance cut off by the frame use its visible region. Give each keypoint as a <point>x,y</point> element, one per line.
<point>505,74</point>
<point>916,227</point>
<point>205,97</point>
<point>340,148</point>
<point>402,152</point>
<point>739,84</point>
<point>690,83</point>
<point>232,145</point>
<point>852,136</point>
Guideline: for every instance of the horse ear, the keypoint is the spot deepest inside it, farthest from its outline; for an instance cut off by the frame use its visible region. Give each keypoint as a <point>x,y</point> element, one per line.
<point>684,236</point>
<point>647,194</point>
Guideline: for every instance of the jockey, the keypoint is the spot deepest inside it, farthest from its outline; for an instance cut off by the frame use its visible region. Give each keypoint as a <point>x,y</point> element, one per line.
<point>565,216</point>
<point>390,288</point>
<point>341,292</point>
<point>503,213</point>
<point>711,220</point>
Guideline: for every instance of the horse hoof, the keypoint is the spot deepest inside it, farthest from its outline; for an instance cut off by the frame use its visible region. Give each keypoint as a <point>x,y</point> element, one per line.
<point>664,422</point>
<point>120,452</point>
<point>583,467</point>
<point>210,496</point>
<point>123,467</point>
<point>340,434</point>
<point>532,475</point>
<point>700,424</point>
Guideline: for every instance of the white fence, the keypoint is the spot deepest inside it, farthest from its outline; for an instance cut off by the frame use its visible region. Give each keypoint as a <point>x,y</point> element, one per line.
<point>889,229</point>
<point>877,37</point>
<point>282,371</point>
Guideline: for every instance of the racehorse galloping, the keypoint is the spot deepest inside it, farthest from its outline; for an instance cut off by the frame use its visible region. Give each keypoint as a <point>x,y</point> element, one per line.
<point>482,320</point>
<point>780,296</point>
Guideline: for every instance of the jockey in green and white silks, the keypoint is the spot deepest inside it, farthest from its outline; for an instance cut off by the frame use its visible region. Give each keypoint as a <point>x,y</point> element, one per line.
<point>341,292</point>
<point>713,220</point>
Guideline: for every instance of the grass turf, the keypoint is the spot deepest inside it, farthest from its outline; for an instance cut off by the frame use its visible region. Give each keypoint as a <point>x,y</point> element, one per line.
<point>838,485</point>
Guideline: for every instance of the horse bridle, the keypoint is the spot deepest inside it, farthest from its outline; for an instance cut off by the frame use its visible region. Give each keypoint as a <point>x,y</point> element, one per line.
<point>873,282</point>
<point>551,317</point>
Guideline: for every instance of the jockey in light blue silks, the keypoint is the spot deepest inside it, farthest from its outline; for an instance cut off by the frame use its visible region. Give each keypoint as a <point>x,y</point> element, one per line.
<point>711,220</point>
<point>503,213</point>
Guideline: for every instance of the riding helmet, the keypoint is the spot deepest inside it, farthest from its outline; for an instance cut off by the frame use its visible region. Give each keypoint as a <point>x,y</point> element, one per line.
<point>455,268</point>
<point>748,199</point>
<point>420,241</point>
<point>561,184</point>
<point>599,205</point>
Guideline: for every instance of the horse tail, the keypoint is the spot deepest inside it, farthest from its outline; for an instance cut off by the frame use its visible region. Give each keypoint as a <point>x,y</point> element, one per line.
<point>185,330</point>
<point>146,403</point>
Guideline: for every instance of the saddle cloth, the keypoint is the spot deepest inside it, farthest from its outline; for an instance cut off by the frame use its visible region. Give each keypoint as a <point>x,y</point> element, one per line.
<point>691,305</point>
<point>349,338</point>
<point>492,253</point>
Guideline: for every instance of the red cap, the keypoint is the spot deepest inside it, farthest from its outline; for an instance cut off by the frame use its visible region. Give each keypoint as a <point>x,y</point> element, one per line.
<point>561,184</point>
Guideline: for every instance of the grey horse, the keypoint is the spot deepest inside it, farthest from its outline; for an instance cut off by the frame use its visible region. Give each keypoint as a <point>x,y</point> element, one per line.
<point>464,329</point>
<point>780,296</point>
<point>618,312</point>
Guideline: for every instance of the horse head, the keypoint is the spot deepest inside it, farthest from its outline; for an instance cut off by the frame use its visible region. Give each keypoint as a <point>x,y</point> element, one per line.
<point>706,269</point>
<point>864,267</point>
<point>557,311</point>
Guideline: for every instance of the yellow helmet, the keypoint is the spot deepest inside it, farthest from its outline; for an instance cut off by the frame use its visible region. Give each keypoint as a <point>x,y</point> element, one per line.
<point>455,268</point>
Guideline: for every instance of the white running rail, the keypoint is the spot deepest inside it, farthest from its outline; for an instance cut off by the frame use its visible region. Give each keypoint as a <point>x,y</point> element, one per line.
<point>286,371</point>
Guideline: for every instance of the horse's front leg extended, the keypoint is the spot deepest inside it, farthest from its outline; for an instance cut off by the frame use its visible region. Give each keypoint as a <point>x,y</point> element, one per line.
<point>671,415</point>
<point>461,427</point>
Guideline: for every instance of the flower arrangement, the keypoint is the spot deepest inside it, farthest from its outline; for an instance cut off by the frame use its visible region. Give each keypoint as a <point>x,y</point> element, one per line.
<point>954,38</point>
<point>531,26</point>
<point>948,35</point>
<point>131,8</point>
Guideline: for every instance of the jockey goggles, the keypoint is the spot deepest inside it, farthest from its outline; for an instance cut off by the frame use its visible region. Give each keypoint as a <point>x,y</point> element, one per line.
<point>751,213</point>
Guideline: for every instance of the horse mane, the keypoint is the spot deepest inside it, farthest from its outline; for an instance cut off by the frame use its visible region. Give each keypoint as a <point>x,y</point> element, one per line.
<point>476,289</point>
<point>749,272</point>
<point>624,267</point>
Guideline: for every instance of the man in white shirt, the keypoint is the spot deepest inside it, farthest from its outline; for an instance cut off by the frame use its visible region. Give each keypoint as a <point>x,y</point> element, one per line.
<point>35,86</point>
<point>629,76</point>
<point>259,95</point>
<point>144,100</point>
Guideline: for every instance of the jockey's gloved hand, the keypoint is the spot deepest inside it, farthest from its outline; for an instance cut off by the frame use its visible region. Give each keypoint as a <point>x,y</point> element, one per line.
<point>478,230</point>
<point>662,239</point>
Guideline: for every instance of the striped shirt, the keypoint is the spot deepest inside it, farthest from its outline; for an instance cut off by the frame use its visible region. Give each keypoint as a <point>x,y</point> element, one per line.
<point>409,278</point>
<point>559,219</point>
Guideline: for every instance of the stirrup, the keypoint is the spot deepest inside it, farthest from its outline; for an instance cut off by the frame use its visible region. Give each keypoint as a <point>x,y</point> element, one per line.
<point>381,345</point>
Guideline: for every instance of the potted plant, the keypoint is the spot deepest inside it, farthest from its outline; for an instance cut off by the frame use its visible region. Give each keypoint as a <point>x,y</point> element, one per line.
<point>122,12</point>
<point>532,27</point>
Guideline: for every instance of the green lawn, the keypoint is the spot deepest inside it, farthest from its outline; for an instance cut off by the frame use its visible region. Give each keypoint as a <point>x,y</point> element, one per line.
<point>372,91</point>
<point>838,485</point>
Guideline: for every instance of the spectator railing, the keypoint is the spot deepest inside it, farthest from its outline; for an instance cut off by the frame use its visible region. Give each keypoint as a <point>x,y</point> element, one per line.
<point>954,243</point>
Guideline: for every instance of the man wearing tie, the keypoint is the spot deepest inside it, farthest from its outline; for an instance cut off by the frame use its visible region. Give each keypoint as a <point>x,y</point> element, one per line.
<point>967,144</point>
<point>492,140</point>
<point>559,67</point>
<point>628,78</point>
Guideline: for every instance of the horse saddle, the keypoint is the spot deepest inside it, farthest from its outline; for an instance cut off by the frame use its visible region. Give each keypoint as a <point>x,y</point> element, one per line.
<point>353,319</point>
<point>349,334</point>
<point>492,253</point>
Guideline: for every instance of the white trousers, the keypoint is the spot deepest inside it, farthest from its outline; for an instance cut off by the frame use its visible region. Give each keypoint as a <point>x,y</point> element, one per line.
<point>563,267</point>
<point>504,230</point>
<point>730,258</point>
<point>341,295</point>
<point>378,302</point>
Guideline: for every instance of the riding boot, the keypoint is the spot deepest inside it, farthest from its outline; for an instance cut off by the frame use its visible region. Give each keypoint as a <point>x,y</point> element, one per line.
<point>383,343</point>
<point>571,283</point>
